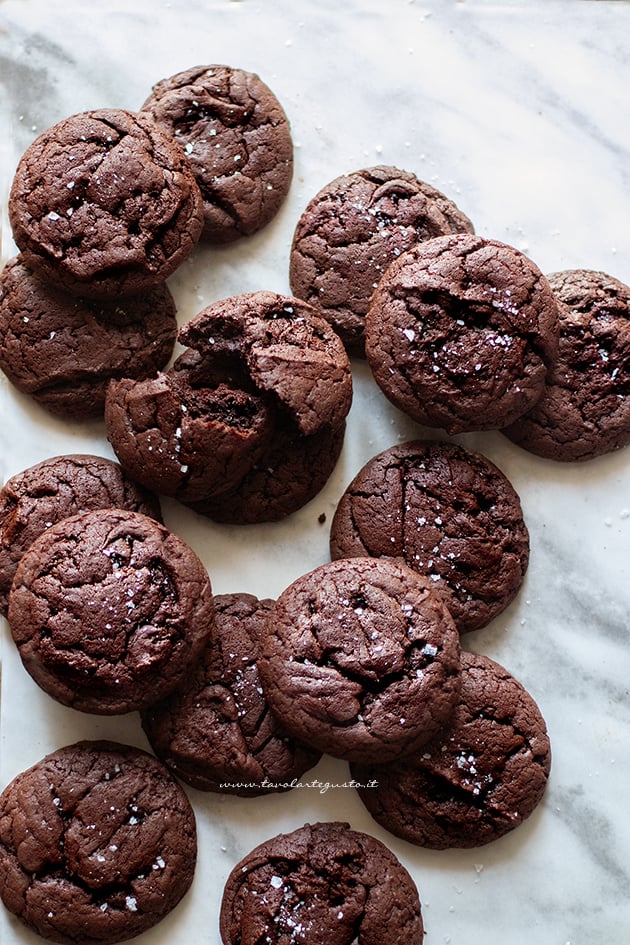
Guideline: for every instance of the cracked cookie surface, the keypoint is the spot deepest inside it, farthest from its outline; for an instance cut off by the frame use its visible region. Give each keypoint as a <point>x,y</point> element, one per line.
<point>291,471</point>
<point>319,884</point>
<point>360,658</point>
<point>236,136</point>
<point>584,410</point>
<point>57,488</point>
<point>216,731</point>
<point>104,203</point>
<point>461,332</point>
<point>109,611</point>
<point>480,778</point>
<point>248,424</point>
<point>97,844</point>
<point>352,230</point>
<point>63,350</point>
<point>450,514</point>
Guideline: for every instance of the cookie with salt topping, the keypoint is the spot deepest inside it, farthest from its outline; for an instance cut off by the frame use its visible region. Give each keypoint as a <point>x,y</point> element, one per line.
<point>461,332</point>
<point>97,844</point>
<point>360,658</point>
<point>110,610</point>
<point>322,883</point>
<point>450,514</point>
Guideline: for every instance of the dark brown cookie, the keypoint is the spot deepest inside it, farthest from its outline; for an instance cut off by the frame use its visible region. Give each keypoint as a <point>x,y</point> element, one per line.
<point>483,776</point>
<point>289,352</point>
<point>236,136</point>
<point>584,411</point>
<point>352,230</point>
<point>290,473</point>
<point>450,514</point>
<point>57,488</point>
<point>216,731</point>
<point>97,844</point>
<point>460,333</point>
<point>109,611</point>
<point>187,433</point>
<point>260,395</point>
<point>105,203</point>
<point>321,884</point>
<point>63,350</point>
<point>361,659</point>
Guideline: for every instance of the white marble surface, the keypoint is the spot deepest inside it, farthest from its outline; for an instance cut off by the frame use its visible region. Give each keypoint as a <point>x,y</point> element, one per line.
<point>519,111</point>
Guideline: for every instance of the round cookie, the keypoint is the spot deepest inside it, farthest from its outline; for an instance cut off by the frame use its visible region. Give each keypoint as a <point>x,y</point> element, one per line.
<point>291,472</point>
<point>216,731</point>
<point>460,333</point>
<point>352,230</point>
<point>104,203</point>
<point>236,137</point>
<point>63,350</point>
<point>110,611</point>
<point>360,658</point>
<point>320,884</point>
<point>450,514</point>
<point>483,776</point>
<point>97,844</point>
<point>57,488</point>
<point>584,411</point>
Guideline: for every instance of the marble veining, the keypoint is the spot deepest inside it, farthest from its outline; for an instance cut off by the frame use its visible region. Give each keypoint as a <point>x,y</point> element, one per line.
<point>519,112</point>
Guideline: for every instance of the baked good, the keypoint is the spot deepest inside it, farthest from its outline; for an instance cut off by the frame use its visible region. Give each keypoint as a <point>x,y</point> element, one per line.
<point>481,777</point>
<point>461,332</point>
<point>287,349</point>
<point>291,471</point>
<point>352,230</point>
<point>63,350</point>
<point>360,658</point>
<point>97,844</point>
<point>320,884</point>
<point>216,731</point>
<point>584,410</point>
<point>188,432</point>
<point>237,139</point>
<point>36,498</point>
<point>264,384</point>
<point>450,514</point>
<point>104,203</point>
<point>109,611</point>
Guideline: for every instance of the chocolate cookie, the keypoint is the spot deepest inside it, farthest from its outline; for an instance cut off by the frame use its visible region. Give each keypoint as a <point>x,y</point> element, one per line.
<point>109,611</point>
<point>321,884</point>
<point>216,731</point>
<point>483,776</point>
<point>352,230</point>
<point>288,351</point>
<point>290,473</point>
<point>585,407</point>
<point>63,350</point>
<point>57,488</point>
<point>263,390</point>
<point>450,514</point>
<point>360,658</point>
<point>461,332</point>
<point>189,433</point>
<point>236,136</point>
<point>104,203</point>
<point>97,844</point>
